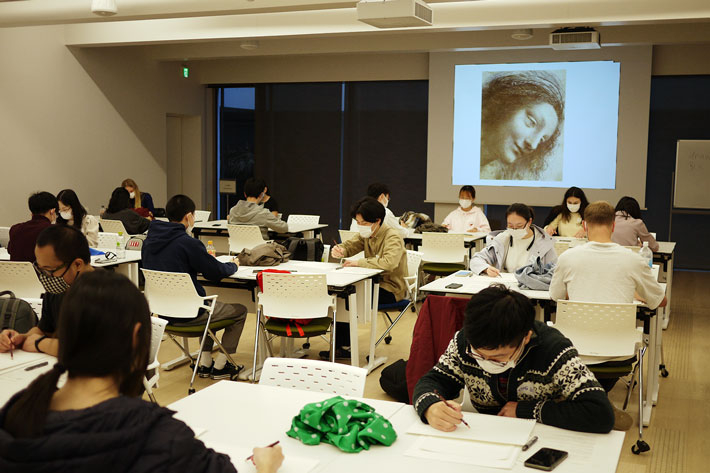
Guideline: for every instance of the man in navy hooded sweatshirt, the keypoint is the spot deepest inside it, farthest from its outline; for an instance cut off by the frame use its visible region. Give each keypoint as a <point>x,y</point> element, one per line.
<point>169,248</point>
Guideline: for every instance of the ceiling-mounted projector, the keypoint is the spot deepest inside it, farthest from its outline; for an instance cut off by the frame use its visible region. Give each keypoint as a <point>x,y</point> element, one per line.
<point>575,38</point>
<point>395,13</point>
<point>104,7</point>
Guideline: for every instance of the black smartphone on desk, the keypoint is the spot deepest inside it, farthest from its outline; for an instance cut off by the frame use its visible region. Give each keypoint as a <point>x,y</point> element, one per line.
<point>546,459</point>
<point>453,285</point>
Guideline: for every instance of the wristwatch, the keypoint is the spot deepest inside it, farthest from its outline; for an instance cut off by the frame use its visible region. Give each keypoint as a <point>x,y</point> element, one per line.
<point>37,343</point>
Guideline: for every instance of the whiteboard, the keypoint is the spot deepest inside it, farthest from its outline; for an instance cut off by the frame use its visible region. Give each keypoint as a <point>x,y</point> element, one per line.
<point>692,174</point>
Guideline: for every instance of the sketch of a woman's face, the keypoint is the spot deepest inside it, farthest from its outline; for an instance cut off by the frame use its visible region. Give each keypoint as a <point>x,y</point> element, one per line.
<point>523,132</point>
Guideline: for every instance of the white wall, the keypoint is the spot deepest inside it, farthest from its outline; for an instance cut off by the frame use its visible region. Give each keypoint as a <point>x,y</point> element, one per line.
<point>83,119</point>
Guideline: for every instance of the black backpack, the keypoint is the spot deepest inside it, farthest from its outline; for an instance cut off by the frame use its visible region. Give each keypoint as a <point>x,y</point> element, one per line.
<point>16,314</point>
<point>305,249</point>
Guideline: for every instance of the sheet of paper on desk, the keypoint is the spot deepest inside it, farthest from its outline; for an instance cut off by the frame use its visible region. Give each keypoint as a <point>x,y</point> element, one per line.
<point>355,270</point>
<point>468,452</point>
<point>291,464</point>
<point>21,358</point>
<point>484,428</point>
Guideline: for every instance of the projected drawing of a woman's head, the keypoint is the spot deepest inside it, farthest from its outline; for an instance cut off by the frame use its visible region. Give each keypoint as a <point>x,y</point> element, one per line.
<point>522,114</point>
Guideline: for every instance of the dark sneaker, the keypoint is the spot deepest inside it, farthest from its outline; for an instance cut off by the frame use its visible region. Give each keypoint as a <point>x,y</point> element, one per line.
<point>205,371</point>
<point>340,353</point>
<point>228,372</point>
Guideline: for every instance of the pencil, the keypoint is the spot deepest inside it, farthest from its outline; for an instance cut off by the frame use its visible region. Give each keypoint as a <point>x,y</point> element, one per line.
<point>447,403</point>
<point>268,446</point>
<point>12,357</point>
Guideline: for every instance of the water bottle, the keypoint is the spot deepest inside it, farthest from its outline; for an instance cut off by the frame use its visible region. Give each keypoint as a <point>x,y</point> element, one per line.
<point>120,247</point>
<point>647,254</point>
<point>210,249</point>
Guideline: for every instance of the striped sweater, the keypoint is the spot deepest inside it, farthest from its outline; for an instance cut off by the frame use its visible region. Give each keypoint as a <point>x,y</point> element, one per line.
<point>550,384</point>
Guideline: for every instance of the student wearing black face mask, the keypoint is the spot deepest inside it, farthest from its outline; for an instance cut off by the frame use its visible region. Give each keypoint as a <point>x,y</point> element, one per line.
<point>62,254</point>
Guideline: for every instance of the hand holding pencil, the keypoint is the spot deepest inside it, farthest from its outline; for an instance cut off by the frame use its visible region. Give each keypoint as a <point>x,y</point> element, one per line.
<point>445,415</point>
<point>267,459</point>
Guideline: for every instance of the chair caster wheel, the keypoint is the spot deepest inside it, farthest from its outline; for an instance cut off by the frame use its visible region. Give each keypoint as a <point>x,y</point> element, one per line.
<point>306,346</point>
<point>388,339</point>
<point>414,309</point>
<point>640,447</point>
<point>664,371</point>
<point>191,391</point>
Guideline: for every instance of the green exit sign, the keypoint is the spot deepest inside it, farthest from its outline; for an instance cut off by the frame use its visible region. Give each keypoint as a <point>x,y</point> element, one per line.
<point>185,72</point>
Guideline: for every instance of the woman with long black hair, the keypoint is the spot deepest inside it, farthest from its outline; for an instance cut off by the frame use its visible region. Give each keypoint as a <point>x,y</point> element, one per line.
<point>72,213</point>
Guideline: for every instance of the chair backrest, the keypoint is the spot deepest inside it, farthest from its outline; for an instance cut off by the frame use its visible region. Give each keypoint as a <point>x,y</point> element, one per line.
<point>172,294</point>
<point>108,240</point>
<point>326,254</point>
<point>443,247</point>
<point>4,236</point>
<point>157,328</point>
<point>561,247</point>
<point>599,329</point>
<point>20,278</point>
<point>346,235</point>
<point>244,236</point>
<point>114,226</point>
<point>295,296</point>
<point>635,249</point>
<point>202,215</point>
<point>314,375</point>
<point>414,259</point>
<point>303,219</point>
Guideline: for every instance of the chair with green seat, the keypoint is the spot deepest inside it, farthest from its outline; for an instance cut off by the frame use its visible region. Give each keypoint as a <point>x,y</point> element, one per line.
<point>443,253</point>
<point>294,306</point>
<point>173,296</point>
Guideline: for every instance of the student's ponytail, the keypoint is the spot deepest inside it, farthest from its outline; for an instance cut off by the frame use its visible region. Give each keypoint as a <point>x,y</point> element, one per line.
<point>26,417</point>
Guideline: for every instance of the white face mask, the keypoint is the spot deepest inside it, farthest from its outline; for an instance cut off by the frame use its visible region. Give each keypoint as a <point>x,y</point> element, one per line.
<point>365,230</point>
<point>66,215</point>
<point>465,203</point>
<point>518,233</point>
<point>132,195</point>
<point>494,367</point>
<point>573,207</point>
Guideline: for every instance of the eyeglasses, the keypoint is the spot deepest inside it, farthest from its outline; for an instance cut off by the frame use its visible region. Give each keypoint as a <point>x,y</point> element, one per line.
<point>110,255</point>
<point>50,272</point>
<point>470,351</point>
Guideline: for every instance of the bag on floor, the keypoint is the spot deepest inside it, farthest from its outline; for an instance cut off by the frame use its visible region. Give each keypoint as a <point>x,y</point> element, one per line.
<point>16,314</point>
<point>305,249</point>
<point>267,254</point>
<point>393,380</point>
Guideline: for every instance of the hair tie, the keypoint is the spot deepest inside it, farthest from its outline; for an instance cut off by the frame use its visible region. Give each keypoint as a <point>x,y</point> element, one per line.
<point>59,368</point>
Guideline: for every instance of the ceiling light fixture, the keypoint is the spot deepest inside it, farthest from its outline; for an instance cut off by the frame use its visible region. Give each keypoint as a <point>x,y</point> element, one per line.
<point>104,7</point>
<point>522,35</point>
<point>250,45</point>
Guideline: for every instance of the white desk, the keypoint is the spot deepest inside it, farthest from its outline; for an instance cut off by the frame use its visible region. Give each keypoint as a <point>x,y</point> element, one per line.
<point>664,255</point>
<point>250,415</point>
<point>218,228</point>
<point>14,375</point>
<point>4,255</point>
<point>338,279</point>
<point>127,266</point>
<point>475,240</point>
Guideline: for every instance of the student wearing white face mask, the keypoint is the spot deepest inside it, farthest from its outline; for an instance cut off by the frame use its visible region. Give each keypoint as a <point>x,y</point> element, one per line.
<point>381,193</point>
<point>569,221</point>
<point>467,217</point>
<point>384,249</point>
<point>521,244</point>
<point>512,366</point>
<point>72,213</point>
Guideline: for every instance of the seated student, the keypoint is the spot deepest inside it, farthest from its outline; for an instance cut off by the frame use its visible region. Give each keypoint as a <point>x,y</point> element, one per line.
<point>629,229</point>
<point>381,193</point>
<point>569,221</point>
<point>168,247</point>
<point>119,208</point>
<point>141,202</point>
<point>21,246</point>
<point>96,421</point>
<point>62,257</point>
<point>512,366</point>
<point>521,244</point>
<point>251,212</point>
<point>72,213</point>
<point>384,249</point>
<point>467,217</point>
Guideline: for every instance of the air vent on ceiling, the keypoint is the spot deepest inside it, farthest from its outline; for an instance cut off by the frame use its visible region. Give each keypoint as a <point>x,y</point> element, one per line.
<point>395,13</point>
<point>575,38</point>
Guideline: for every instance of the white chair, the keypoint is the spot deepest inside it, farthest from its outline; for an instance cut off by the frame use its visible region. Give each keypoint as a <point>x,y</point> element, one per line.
<point>314,375</point>
<point>288,296</point>
<point>202,215</point>
<point>635,249</point>
<point>600,331</point>
<point>303,219</point>
<point>114,226</point>
<point>443,253</point>
<point>4,236</point>
<point>326,254</point>
<point>561,247</point>
<point>414,259</point>
<point>156,336</point>
<point>244,236</point>
<point>20,278</point>
<point>108,241</point>
<point>174,295</point>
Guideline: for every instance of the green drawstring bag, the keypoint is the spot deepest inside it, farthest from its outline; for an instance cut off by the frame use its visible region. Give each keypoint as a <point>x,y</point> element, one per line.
<point>352,426</point>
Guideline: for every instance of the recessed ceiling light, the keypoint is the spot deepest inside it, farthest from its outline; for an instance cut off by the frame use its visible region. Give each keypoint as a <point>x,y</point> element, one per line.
<point>104,7</point>
<point>250,45</point>
<point>522,35</point>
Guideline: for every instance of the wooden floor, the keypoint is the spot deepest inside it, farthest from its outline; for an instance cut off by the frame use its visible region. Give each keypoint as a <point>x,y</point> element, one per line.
<point>678,434</point>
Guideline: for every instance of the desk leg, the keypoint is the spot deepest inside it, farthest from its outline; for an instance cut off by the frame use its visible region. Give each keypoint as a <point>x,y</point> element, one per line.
<point>651,387</point>
<point>669,287</point>
<point>374,362</point>
<point>354,348</point>
<point>130,270</point>
<point>654,370</point>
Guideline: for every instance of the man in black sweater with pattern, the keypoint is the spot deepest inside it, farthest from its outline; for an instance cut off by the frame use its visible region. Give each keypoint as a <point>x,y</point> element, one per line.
<point>512,366</point>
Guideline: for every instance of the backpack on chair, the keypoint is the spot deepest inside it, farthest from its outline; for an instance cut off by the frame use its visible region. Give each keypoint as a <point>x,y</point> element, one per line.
<point>305,249</point>
<point>16,314</point>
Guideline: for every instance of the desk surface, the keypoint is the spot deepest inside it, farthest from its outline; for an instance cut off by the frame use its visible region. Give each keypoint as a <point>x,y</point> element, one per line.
<point>132,256</point>
<point>666,247</point>
<point>13,375</point>
<point>245,424</point>
<point>292,227</point>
